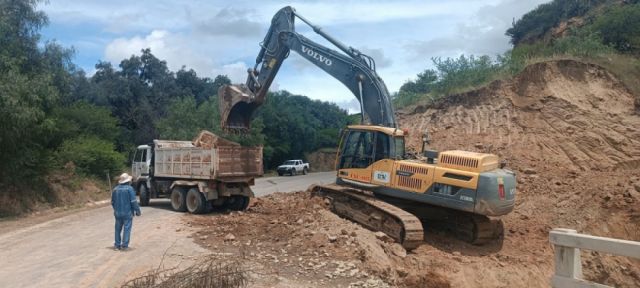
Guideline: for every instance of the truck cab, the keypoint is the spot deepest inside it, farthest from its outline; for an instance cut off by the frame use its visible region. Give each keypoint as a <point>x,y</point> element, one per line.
<point>141,164</point>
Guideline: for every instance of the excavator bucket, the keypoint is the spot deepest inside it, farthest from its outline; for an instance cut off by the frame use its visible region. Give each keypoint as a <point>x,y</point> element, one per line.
<point>236,104</point>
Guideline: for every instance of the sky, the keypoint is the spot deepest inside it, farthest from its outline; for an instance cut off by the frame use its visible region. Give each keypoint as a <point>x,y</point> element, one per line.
<point>216,37</point>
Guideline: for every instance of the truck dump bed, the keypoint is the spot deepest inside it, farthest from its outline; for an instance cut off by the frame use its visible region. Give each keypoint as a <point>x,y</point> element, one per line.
<point>208,157</point>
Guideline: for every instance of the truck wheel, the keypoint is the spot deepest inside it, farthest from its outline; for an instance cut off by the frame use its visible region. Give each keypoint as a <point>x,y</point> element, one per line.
<point>196,204</point>
<point>245,205</point>
<point>279,174</point>
<point>178,199</point>
<point>304,171</point>
<point>237,203</point>
<point>292,172</point>
<point>144,195</point>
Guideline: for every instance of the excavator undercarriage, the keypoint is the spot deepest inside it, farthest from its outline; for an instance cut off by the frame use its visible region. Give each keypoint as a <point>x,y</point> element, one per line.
<point>403,220</point>
<point>361,207</point>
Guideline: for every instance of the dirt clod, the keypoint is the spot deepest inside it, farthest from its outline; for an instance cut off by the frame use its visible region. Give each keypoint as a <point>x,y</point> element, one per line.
<point>228,237</point>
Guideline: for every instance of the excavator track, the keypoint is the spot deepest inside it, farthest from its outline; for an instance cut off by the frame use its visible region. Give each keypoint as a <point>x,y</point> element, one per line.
<point>472,228</point>
<point>361,207</point>
<point>477,229</point>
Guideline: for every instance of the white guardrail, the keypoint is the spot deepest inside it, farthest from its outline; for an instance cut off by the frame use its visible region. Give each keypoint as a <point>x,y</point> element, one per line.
<point>567,244</point>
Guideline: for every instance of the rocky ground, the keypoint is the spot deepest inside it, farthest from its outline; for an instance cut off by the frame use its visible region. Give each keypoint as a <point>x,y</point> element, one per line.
<point>293,240</point>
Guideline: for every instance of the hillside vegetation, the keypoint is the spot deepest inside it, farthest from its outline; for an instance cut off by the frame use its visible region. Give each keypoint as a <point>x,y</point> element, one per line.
<point>606,33</point>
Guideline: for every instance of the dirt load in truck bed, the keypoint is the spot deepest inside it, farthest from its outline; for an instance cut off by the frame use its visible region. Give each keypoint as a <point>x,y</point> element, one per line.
<point>569,129</point>
<point>208,156</point>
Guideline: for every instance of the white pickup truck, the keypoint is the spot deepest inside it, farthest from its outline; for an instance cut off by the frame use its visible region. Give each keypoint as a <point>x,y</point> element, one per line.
<point>293,167</point>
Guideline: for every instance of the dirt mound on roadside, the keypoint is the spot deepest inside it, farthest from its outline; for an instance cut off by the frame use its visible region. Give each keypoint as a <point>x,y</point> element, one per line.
<point>292,240</point>
<point>572,132</point>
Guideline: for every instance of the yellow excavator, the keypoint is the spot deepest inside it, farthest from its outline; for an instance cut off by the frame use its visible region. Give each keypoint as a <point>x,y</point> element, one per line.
<point>376,184</point>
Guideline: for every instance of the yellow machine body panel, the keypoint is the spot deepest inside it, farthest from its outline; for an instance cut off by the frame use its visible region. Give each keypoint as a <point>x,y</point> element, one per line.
<point>412,176</point>
<point>409,175</point>
<point>468,161</point>
<point>456,177</point>
<point>456,168</point>
<point>371,158</point>
<point>382,172</point>
<point>356,174</point>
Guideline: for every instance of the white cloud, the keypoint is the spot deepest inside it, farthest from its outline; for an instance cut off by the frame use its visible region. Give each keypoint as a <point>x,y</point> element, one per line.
<point>352,106</point>
<point>237,72</point>
<point>342,12</point>
<point>378,56</point>
<point>177,50</point>
<point>481,34</point>
<point>230,22</point>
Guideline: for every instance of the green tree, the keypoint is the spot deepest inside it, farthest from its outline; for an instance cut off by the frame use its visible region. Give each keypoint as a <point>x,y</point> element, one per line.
<point>84,119</point>
<point>27,93</point>
<point>620,28</point>
<point>91,155</point>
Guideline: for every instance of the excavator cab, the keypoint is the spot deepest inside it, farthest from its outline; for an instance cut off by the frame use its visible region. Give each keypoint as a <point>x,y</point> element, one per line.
<point>363,148</point>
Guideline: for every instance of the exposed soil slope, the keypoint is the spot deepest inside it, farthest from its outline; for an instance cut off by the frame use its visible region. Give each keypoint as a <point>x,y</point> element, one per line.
<point>572,133</point>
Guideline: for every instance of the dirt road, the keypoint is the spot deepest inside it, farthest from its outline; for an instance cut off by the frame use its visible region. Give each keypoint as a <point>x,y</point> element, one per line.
<point>75,250</point>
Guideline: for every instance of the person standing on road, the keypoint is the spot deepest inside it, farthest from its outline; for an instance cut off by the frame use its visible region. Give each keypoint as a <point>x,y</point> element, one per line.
<point>125,205</point>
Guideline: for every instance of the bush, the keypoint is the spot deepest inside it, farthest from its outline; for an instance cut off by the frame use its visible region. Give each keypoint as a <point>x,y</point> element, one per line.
<point>620,28</point>
<point>403,99</point>
<point>582,45</point>
<point>463,72</point>
<point>91,156</point>
<point>451,75</point>
<point>534,24</point>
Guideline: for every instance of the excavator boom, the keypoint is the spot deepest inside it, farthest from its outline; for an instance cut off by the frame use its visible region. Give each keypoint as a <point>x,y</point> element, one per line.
<point>351,67</point>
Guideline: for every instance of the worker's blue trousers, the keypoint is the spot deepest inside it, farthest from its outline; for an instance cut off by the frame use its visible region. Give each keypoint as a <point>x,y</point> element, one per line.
<point>121,223</point>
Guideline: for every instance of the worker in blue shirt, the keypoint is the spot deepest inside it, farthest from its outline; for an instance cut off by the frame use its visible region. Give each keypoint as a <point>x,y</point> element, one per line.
<point>125,205</point>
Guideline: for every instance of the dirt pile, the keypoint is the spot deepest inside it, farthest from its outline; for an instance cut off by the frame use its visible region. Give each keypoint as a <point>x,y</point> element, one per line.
<point>572,132</point>
<point>292,240</point>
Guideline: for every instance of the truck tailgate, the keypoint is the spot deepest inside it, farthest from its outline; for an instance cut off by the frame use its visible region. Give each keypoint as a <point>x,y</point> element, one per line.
<point>208,164</point>
<point>236,161</point>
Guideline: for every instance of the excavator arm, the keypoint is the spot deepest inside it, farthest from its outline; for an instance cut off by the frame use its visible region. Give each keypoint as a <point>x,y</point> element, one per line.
<point>353,68</point>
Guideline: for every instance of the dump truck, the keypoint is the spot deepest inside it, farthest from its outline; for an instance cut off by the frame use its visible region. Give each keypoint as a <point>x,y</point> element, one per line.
<point>208,172</point>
